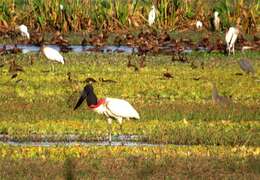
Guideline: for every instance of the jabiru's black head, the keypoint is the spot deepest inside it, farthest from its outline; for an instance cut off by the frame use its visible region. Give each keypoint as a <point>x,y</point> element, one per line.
<point>89,95</point>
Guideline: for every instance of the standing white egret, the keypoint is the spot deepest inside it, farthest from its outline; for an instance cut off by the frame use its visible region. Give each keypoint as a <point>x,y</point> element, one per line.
<point>199,24</point>
<point>231,37</point>
<point>110,107</point>
<point>24,31</point>
<point>61,7</point>
<point>151,17</point>
<point>52,54</point>
<point>216,21</point>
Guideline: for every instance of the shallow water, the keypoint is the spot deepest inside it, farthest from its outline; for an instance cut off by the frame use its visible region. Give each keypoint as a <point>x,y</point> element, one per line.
<point>98,143</point>
<point>104,49</point>
<point>71,140</point>
<point>75,48</point>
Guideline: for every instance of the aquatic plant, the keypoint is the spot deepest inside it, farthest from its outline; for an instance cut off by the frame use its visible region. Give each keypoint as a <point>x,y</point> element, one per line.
<point>115,15</point>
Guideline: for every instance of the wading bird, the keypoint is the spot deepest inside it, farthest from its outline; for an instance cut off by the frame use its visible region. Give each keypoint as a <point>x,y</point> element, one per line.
<point>216,21</point>
<point>231,37</point>
<point>151,17</point>
<point>24,31</point>
<point>61,7</point>
<point>112,108</point>
<point>246,66</point>
<point>217,99</point>
<point>52,54</point>
<point>199,24</point>
<point>13,68</point>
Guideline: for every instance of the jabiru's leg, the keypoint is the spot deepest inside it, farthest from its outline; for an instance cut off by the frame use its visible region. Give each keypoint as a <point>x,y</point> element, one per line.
<point>109,120</point>
<point>120,121</point>
<point>52,68</point>
<point>228,49</point>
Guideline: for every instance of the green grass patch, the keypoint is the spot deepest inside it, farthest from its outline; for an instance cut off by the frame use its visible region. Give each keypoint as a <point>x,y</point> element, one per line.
<point>136,162</point>
<point>38,103</point>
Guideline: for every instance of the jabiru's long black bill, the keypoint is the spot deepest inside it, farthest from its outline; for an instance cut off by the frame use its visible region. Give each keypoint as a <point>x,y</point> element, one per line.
<point>83,96</point>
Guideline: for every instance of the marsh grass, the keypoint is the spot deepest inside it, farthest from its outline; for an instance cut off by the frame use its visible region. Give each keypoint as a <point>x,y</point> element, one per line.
<point>179,110</point>
<point>136,162</point>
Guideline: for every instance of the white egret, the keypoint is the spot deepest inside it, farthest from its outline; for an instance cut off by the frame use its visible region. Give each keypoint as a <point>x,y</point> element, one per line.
<point>61,7</point>
<point>216,21</point>
<point>52,54</point>
<point>112,108</point>
<point>199,24</point>
<point>24,31</point>
<point>231,37</point>
<point>151,17</point>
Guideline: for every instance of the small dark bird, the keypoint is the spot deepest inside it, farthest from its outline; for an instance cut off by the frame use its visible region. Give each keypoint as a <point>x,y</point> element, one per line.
<point>202,65</point>
<point>112,108</point>
<point>142,62</point>
<point>45,71</point>
<point>15,50</point>
<point>167,75</point>
<point>217,99</point>
<point>15,67</point>
<point>239,74</point>
<point>107,80</point>
<point>69,76</point>
<point>89,80</point>
<point>37,38</point>
<point>196,78</point>
<point>246,66</point>
<point>179,57</point>
<point>65,48</point>
<point>18,80</point>
<point>3,50</point>
<point>193,65</point>
<point>14,75</point>
<point>129,64</point>
<point>31,60</point>
<point>59,40</point>
<point>84,42</point>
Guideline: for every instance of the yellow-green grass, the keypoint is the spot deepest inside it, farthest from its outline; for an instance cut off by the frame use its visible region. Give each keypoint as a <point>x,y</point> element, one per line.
<point>169,162</point>
<point>219,142</point>
<point>177,110</point>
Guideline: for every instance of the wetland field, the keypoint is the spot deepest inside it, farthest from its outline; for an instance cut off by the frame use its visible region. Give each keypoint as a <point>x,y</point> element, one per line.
<point>185,134</point>
<point>199,111</point>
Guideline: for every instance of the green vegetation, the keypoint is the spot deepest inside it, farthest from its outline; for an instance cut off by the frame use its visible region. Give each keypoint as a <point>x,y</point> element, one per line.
<point>135,162</point>
<point>124,14</point>
<point>187,135</point>
<point>37,105</point>
<point>39,102</point>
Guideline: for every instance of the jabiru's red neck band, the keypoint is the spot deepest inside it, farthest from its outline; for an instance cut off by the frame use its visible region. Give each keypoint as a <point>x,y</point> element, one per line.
<point>100,102</point>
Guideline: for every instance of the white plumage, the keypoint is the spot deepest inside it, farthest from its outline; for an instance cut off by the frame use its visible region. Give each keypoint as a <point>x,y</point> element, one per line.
<point>118,109</point>
<point>199,24</point>
<point>216,21</point>
<point>231,37</point>
<point>151,16</point>
<point>112,108</point>
<point>61,7</point>
<point>52,54</point>
<point>24,31</point>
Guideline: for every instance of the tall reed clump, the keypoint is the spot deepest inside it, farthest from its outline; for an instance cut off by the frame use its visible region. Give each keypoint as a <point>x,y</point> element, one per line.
<point>112,15</point>
<point>239,12</point>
